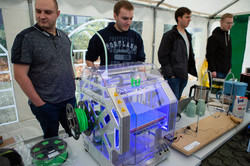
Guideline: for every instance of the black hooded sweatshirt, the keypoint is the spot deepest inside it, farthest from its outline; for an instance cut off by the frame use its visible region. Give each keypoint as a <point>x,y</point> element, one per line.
<point>172,55</point>
<point>219,51</point>
<point>121,47</point>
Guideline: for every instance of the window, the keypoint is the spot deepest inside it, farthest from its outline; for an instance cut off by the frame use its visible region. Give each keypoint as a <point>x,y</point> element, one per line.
<point>72,24</point>
<point>8,112</point>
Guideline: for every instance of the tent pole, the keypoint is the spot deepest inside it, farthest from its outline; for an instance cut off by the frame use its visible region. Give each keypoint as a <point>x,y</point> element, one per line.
<point>215,14</point>
<point>153,42</point>
<point>154,28</point>
<point>208,27</point>
<point>31,12</point>
<point>224,8</point>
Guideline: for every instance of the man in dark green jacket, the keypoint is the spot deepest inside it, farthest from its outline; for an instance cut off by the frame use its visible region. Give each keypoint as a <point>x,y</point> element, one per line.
<point>176,54</point>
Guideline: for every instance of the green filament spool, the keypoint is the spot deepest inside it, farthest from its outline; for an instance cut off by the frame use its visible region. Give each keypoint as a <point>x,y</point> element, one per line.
<point>82,119</point>
<point>53,162</point>
<point>77,120</point>
<point>50,152</point>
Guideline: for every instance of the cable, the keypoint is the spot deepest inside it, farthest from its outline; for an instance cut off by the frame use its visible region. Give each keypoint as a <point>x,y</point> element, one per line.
<point>210,74</point>
<point>223,89</point>
<point>189,131</point>
<point>209,94</point>
<point>179,117</point>
<point>230,93</point>
<point>201,96</point>
<point>71,52</point>
<point>80,113</point>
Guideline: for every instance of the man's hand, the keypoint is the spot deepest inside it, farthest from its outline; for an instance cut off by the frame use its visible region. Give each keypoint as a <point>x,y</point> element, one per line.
<point>214,74</point>
<point>89,63</point>
<point>21,76</point>
<point>39,104</point>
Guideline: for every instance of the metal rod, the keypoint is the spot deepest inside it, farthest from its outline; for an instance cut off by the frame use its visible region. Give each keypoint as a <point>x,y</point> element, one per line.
<point>31,12</point>
<point>154,28</point>
<point>224,8</point>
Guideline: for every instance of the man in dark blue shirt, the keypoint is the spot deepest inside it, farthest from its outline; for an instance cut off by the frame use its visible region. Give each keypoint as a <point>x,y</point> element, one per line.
<point>122,43</point>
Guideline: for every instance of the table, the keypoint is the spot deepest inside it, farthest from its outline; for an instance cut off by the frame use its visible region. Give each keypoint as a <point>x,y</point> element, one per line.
<point>207,150</point>
<point>83,158</point>
<point>175,158</point>
<point>79,157</point>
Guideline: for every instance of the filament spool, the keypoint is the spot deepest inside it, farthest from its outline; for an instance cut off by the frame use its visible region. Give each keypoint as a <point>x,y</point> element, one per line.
<point>89,113</point>
<point>48,152</point>
<point>77,120</point>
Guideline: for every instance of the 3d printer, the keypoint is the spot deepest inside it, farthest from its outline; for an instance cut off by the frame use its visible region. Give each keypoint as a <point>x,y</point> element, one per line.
<point>126,114</point>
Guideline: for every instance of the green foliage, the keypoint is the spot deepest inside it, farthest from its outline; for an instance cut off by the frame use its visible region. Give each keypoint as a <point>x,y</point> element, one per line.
<point>68,23</point>
<point>2,38</point>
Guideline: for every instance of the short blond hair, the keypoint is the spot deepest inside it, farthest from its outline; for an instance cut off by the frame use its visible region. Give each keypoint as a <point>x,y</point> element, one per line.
<point>226,15</point>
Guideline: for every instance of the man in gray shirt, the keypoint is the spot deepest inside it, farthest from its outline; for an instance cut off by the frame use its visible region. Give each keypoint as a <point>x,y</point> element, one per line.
<point>43,69</point>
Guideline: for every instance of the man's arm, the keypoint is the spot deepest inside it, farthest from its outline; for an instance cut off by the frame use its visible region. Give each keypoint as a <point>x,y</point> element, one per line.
<point>164,55</point>
<point>140,52</point>
<point>94,51</point>
<point>90,63</point>
<point>21,76</point>
<point>210,55</point>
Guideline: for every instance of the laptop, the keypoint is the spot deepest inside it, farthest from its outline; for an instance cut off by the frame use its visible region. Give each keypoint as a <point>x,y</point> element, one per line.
<point>182,104</point>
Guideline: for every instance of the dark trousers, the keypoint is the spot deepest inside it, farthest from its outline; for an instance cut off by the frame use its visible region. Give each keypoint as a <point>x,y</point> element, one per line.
<point>221,75</point>
<point>49,115</point>
<point>177,85</point>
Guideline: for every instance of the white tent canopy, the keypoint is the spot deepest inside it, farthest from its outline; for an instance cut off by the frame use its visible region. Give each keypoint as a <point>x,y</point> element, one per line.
<point>205,8</point>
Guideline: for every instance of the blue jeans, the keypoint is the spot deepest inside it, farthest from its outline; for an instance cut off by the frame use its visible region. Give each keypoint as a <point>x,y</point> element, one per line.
<point>177,85</point>
<point>221,75</point>
<point>49,115</point>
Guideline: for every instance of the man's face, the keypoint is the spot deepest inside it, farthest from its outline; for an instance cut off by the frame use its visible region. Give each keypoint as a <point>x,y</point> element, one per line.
<point>227,24</point>
<point>46,14</point>
<point>184,20</point>
<point>124,19</point>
